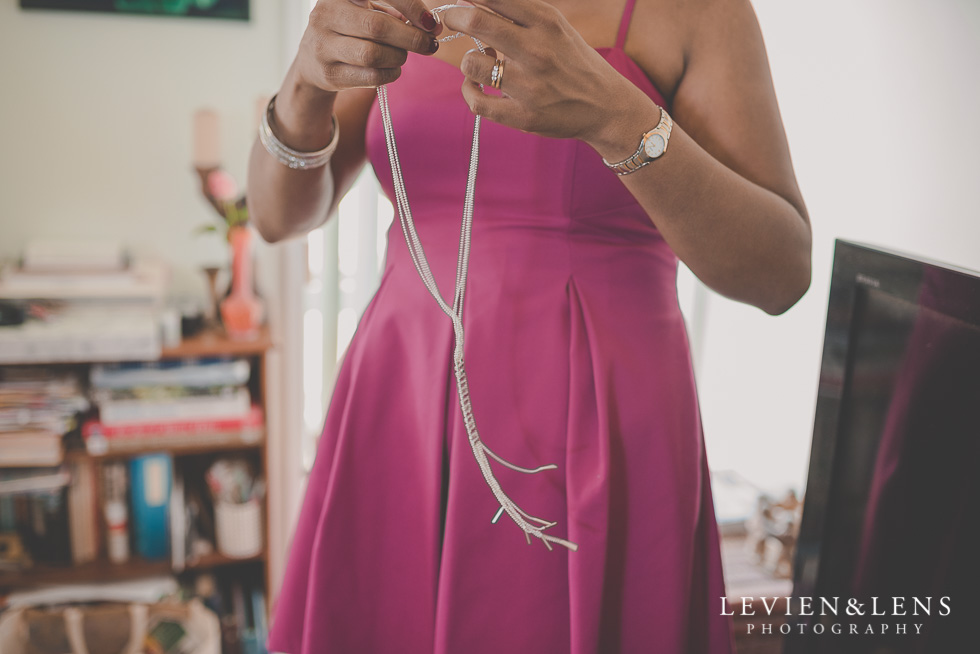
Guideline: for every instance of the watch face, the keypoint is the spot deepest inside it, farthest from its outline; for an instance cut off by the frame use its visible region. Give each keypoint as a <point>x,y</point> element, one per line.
<point>654,146</point>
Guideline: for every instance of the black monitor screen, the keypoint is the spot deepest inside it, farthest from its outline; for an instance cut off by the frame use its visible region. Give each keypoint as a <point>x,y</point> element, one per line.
<point>891,525</point>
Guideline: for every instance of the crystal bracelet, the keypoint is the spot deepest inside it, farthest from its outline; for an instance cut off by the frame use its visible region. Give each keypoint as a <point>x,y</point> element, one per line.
<point>288,156</point>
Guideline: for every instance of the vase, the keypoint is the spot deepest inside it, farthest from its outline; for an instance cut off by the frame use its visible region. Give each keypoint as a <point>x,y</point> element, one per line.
<point>241,311</point>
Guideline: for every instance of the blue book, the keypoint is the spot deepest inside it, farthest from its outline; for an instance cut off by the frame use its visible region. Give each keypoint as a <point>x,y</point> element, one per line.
<point>212,371</point>
<point>258,618</point>
<point>151,481</point>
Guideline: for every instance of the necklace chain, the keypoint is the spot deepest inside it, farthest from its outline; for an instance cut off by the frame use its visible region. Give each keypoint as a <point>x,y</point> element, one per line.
<point>529,524</point>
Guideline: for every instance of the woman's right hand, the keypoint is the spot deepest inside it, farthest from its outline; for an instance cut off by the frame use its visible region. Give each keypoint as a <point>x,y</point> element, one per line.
<point>355,44</point>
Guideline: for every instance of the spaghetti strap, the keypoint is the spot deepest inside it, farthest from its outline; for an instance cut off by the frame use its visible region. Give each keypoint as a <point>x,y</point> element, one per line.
<point>624,24</point>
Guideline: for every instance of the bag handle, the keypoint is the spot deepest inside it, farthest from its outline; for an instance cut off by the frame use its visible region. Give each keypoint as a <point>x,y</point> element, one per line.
<point>74,630</point>
<point>138,618</point>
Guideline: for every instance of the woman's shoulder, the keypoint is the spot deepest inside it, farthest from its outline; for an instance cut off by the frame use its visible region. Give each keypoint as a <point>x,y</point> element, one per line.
<point>659,40</point>
<point>718,81</point>
<point>665,35</point>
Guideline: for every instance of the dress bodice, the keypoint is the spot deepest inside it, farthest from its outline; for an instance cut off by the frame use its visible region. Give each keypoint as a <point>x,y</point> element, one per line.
<point>523,179</point>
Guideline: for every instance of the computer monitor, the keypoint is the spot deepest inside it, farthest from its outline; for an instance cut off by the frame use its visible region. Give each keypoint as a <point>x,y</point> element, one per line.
<point>892,502</point>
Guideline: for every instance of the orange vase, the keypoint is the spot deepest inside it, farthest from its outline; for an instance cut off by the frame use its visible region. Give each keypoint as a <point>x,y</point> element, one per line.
<point>241,311</point>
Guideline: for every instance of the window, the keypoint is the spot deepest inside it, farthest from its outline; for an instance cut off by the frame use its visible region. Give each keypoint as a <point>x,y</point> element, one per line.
<point>344,263</point>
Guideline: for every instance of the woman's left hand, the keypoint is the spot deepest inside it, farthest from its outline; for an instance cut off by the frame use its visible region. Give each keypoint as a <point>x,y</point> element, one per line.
<point>554,83</point>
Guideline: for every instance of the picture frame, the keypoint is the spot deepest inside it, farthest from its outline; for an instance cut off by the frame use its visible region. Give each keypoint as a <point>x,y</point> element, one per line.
<point>226,9</point>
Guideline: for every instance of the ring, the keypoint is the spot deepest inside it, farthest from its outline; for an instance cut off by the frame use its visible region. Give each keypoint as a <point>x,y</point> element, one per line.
<point>497,74</point>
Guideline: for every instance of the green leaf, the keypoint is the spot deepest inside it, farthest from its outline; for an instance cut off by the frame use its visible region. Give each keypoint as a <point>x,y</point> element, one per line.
<point>204,229</point>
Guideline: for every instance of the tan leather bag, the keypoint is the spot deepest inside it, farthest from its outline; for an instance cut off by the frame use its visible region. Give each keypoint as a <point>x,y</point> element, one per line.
<point>105,628</point>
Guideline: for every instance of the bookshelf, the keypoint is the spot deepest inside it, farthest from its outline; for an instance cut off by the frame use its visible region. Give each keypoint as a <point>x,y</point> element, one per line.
<point>193,455</point>
<point>213,343</point>
<point>104,570</point>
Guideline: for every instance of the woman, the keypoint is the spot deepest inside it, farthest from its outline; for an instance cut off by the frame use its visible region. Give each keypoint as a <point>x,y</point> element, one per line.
<point>575,348</point>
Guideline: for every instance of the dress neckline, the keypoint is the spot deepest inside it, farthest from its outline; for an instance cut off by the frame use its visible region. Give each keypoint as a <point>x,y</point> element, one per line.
<point>643,79</point>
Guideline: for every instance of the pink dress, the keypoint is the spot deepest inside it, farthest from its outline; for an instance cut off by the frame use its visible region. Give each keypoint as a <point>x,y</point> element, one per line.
<point>576,353</point>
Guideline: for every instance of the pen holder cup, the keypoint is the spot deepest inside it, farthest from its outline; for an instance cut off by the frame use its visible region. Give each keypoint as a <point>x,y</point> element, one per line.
<point>238,528</point>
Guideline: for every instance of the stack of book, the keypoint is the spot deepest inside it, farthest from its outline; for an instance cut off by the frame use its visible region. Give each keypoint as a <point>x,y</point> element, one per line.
<point>171,404</point>
<point>37,408</point>
<point>33,517</point>
<point>82,270</point>
<point>84,302</point>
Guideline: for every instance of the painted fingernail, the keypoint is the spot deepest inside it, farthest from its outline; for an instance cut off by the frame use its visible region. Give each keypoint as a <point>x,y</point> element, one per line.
<point>433,46</point>
<point>428,21</point>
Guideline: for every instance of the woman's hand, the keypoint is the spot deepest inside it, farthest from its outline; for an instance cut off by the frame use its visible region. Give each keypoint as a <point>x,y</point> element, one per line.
<point>354,43</point>
<point>554,83</point>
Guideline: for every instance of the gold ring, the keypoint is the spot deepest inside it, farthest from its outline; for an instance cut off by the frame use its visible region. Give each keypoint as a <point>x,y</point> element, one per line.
<point>497,74</point>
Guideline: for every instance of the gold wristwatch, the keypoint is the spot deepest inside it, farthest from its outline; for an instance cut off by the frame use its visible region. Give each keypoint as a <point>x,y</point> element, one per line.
<point>652,146</point>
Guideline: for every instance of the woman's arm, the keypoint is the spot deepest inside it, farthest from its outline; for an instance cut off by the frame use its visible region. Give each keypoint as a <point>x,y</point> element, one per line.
<point>724,195</point>
<point>285,202</point>
<point>349,48</point>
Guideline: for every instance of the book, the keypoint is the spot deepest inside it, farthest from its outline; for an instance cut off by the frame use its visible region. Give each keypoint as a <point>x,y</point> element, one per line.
<point>259,618</point>
<point>31,447</point>
<point>28,419</point>
<point>142,280</point>
<point>42,520</point>
<point>28,382</point>
<point>83,511</point>
<point>251,421</point>
<point>151,481</point>
<point>98,446</point>
<point>115,484</point>
<point>198,372</point>
<point>38,398</point>
<point>238,609</point>
<point>233,404</point>
<point>131,438</point>
<point>178,524</point>
<point>84,332</point>
<point>159,393</point>
<point>33,479</point>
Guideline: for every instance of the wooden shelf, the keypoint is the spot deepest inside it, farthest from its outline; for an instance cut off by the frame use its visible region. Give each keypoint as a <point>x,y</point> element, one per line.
<point>102,570</point>
<point>214,343</point>
<point>86,572</point>
<point>205,446</point>
<point>217,559</point>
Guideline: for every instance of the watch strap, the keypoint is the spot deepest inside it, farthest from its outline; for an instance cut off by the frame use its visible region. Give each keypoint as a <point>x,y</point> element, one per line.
<point>637,160</point>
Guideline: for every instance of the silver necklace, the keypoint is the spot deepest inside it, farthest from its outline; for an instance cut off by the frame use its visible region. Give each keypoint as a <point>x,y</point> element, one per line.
<point>529,524</point>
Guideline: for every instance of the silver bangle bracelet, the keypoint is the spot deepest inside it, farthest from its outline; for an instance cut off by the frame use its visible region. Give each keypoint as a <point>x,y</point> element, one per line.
<point>288,156</point>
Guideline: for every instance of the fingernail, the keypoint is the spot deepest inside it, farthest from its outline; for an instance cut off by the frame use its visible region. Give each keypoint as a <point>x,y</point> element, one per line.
<point>433,46</point>
<point>428,21</point>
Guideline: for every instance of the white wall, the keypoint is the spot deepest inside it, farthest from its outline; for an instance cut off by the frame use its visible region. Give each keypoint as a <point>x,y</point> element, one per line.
<point>96,124</point>
<point>881,104</point>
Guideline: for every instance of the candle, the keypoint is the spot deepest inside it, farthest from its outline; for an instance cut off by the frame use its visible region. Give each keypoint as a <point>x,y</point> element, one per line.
<point>207,139</point>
